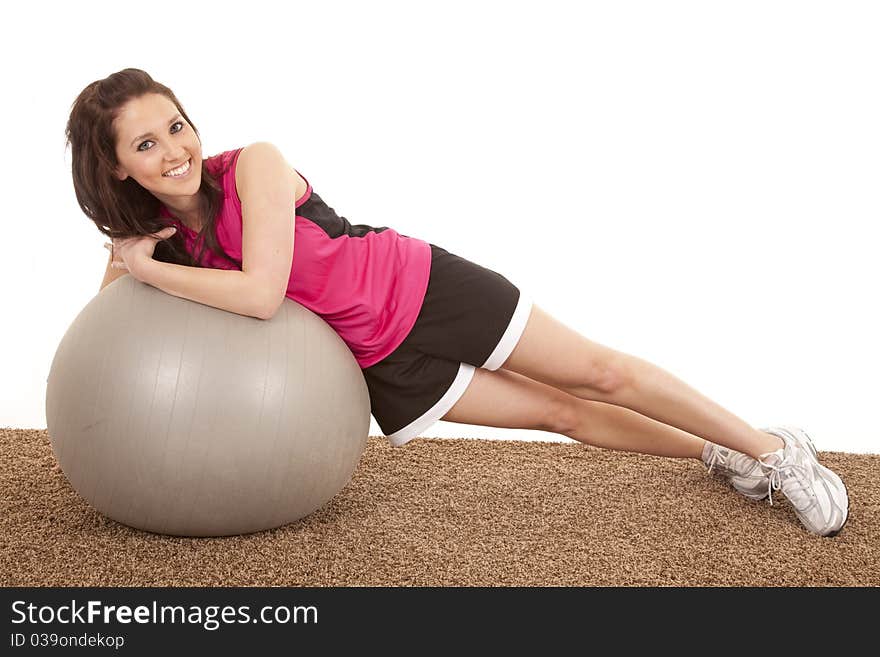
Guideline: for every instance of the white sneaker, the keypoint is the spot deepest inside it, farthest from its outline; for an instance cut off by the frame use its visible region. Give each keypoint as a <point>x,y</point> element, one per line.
<point>818,495</point>
<point>744,473</point>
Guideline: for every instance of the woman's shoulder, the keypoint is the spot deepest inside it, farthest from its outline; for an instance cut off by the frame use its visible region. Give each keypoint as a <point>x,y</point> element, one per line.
<point>300,182</point>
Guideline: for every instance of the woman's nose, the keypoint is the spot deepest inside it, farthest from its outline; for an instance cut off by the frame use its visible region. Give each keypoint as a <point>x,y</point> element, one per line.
<point>175,157</point>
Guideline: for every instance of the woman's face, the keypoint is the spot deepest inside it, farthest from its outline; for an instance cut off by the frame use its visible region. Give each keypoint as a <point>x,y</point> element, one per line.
<point>152,139</point>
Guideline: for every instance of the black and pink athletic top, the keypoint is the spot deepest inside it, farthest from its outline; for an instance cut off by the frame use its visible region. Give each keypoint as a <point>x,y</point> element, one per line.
<point>367,283</point>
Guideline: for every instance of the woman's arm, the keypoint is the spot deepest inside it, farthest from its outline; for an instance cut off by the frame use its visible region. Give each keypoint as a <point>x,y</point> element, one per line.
<point>227,289</point>
<point>267,189</point>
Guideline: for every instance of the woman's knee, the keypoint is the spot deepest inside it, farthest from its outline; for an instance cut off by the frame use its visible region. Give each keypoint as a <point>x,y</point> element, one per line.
<point>565,415</point>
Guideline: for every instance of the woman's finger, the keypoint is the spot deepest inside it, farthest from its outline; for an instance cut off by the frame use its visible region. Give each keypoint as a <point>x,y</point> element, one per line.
<point>165,233</point>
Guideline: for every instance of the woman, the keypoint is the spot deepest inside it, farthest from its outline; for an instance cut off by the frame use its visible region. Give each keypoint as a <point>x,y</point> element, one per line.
<point>437,337</point>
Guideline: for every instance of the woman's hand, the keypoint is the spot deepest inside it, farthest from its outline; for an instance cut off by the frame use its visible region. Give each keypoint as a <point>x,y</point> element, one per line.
<point>131,253</point>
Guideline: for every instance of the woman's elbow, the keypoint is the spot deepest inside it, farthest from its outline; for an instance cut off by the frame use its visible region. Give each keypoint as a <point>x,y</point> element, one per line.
<point>268,310</point>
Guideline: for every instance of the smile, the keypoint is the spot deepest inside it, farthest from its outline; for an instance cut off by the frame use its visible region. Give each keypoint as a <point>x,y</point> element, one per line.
<point>180,171</point>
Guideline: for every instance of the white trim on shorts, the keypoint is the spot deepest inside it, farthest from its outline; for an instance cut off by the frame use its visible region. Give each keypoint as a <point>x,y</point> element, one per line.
<point>466,372</point>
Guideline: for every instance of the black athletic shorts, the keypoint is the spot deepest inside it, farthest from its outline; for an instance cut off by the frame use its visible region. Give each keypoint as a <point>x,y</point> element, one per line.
<point>471,317</point>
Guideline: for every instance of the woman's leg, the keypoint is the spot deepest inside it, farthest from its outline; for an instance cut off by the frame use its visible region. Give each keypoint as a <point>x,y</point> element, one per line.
<point>556,355</point>
<point>509,400</point>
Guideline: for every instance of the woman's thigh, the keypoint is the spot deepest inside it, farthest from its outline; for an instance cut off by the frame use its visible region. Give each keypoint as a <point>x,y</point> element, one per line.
<point>555,354</point>
<point>509,400</point>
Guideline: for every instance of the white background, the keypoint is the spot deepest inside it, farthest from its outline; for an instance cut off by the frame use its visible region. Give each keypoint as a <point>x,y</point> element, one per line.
<point>695,183</point>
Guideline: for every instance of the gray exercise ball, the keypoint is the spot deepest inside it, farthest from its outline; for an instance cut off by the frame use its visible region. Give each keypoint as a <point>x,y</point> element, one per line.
<point>179,418</point>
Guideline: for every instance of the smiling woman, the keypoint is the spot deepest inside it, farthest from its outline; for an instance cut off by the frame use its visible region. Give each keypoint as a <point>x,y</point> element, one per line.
<point>169,163</point>
<point>125,131</point>
<point>429,329</point>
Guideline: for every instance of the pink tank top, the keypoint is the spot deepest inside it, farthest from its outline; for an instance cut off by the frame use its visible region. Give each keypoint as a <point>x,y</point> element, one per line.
<point>367,283</point>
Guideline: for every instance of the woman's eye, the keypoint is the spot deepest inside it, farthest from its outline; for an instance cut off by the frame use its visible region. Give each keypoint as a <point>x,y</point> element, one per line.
<point>150,141</point>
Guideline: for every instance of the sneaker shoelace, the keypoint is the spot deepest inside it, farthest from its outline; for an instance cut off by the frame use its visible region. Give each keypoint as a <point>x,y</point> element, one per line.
<point>728,461</point>
<point>717,458</point>
<point>799,474</point>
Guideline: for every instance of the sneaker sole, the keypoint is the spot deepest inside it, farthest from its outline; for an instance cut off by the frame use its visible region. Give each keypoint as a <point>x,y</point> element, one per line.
<point>835,479</point>
<point>751,496</point>
<point>845,513</point>
<point>828,473</point>
<point>747,493</point>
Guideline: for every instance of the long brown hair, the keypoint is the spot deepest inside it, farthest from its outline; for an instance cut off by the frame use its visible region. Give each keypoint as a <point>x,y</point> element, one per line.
<point>122,208</point>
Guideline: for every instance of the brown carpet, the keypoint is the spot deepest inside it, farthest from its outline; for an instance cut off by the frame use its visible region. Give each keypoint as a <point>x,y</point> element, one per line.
<point>451,512</point>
